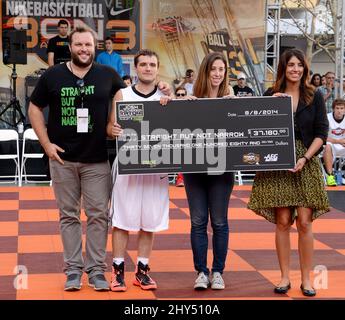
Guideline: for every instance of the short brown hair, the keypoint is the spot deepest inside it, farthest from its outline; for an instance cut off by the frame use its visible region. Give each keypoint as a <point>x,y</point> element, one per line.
<point>181,88</point>
<point>145,52</point>
<point>189,73</point>
<point>62,21</point>
<point>337,102</point>
<point>81,29</point>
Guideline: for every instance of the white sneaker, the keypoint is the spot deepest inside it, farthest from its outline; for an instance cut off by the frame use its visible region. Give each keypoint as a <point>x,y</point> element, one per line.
<point>202,282</point>
<point>217,282</point>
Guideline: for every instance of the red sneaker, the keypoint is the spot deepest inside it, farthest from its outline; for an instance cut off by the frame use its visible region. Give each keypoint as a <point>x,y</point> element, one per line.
<point>179,180</point>
<point>117,283</point>
<point>142,278</point>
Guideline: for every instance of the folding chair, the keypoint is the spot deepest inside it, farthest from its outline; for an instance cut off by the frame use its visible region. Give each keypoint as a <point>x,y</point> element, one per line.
<point>239,177</point>
<point>339,165</point>
<point>7,135</point>
<point>30,135</point>
<point>172,178</point>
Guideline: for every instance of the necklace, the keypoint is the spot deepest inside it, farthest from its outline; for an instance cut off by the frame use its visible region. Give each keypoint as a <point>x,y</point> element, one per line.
<point>84,72</point>
<point>70,66</point>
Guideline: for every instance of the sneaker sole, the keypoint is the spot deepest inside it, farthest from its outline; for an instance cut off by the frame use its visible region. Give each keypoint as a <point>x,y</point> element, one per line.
<point>118,289</point>
<point>149,287</point>
<point>98,289</point>
<point>201,288</point>
<point>217,288</point>
<point>72,288</point>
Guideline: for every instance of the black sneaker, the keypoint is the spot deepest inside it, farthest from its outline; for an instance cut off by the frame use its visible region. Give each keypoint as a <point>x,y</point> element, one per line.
<point>118,277</point>
<point>142,278</point>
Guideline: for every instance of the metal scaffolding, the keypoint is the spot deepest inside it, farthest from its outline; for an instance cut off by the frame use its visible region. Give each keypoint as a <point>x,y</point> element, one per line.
<point>272,39</point>
<point>339,53</point>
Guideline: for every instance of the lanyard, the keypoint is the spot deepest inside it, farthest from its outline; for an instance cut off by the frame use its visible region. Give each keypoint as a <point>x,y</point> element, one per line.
<point>81,87</point>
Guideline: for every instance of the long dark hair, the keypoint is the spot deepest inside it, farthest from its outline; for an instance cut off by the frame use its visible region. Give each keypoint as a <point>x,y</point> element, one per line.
<point>306,89</point>
<point>202,86</point>
<point>313,79</point>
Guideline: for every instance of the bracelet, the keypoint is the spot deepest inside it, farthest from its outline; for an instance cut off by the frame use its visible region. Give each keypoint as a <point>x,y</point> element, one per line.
<point>306,159</point>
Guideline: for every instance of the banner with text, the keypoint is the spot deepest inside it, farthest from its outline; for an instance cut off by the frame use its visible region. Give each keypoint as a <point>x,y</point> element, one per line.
<point>119,19</point>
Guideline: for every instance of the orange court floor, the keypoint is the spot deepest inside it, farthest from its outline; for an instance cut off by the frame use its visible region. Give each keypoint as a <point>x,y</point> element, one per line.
<point>30,243</point>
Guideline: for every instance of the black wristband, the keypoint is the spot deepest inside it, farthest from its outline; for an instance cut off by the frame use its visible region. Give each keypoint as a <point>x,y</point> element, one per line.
<point>306,159</point>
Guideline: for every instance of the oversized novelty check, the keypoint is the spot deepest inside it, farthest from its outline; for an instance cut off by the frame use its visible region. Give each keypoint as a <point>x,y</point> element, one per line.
<point>206,135</point>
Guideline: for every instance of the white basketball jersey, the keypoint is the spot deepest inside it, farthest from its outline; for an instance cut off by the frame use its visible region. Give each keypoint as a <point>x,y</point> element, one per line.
<point>336,129</point>
<point>140,202</point>
<point>131,94</point>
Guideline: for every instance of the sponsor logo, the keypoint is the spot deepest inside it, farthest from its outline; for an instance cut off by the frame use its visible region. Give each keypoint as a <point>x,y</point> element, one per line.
<point>114,12</point>
<point>251,158</point>
<point>128,111</point>
<point>273,157</point>
<point>338,131</point>
<point>150,163</point>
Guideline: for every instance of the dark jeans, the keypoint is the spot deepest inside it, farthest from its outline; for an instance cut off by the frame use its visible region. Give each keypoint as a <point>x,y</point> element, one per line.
<point>209,194</point>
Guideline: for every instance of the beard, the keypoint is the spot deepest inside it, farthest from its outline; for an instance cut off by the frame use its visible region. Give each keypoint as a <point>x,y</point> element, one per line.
<point>76,60</point>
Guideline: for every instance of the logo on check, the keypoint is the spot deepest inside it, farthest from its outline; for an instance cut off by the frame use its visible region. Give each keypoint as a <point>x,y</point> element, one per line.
<point>251,158</point>
<point>273,157</point>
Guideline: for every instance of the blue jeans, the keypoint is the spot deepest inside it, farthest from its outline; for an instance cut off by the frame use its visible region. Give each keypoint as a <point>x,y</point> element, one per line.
<point>209,195</point>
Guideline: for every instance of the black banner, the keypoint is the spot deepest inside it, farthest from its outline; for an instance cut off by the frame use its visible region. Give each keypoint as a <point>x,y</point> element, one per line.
<point>206,135</point>
<point>108,18</point>
<point>219,41</point>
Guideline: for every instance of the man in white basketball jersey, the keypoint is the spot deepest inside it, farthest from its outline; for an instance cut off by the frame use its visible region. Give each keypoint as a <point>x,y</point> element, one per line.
<point>139,202</point>
<point>336,138</point>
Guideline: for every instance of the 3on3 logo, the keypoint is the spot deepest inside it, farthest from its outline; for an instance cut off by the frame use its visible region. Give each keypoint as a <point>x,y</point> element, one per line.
<point>129,111</point>
<point>272,157</point>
